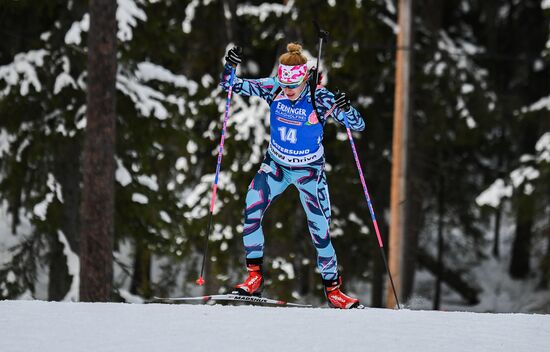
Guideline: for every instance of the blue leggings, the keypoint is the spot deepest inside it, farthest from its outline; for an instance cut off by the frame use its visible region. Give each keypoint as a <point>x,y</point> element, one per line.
<point>270,182</point>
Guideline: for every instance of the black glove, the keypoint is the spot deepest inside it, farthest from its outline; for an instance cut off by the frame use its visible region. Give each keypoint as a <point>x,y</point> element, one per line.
<point>342,101</point>
<point>234,56</point>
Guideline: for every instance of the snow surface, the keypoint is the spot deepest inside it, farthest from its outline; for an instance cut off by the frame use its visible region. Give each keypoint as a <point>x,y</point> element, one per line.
<point>105,327</point>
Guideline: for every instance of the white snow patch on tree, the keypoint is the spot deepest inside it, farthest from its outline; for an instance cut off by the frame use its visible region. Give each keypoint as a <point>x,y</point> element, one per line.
<point>192,147</point>
<point>197,198</point>
<point>207,80</point>
<point>41,209</point>
<point>140,198</point>
<point>165,217</point>
<point>74,34</point>
<point>543,103</point>
<point>127,14</point>
<point>146,99</point>
<point>22,72</point>
<point>147,71</point>
<point>64,79</point>
<point>122,174</point>
<point>221,233</point>
<point>522,174</point>
<point>265,10</point>
<point>149,182</point>
<point>5,141</point>
<point>189,16</point>
<point>493,195</point>
<point>543,148</point>
<point>73,265</point>
<point>467,88</point>
<point>286,267</point>
<point>390,7</point>
<point>182,164</point>
<point>149,101</point>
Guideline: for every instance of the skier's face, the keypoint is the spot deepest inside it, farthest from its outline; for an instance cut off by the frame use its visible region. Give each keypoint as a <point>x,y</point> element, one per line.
<point>294,93</point>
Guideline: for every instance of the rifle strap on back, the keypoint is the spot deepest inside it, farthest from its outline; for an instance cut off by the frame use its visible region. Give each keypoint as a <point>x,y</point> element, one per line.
<point>312,81</point>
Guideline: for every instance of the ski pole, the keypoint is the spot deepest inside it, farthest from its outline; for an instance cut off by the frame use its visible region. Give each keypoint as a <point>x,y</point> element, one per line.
<point>323,35</point>
<point>369,203</point>
<point>200,280</point>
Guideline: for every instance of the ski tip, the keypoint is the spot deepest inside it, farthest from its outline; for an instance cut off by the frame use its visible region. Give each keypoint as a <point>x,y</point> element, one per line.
<point>200,281</point>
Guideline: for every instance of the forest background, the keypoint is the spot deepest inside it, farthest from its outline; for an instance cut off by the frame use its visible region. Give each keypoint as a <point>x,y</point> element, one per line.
<point>480,148</point>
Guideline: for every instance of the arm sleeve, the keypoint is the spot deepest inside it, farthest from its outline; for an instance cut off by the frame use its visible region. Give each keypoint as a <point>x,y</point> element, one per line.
<point>325,101</point>
<point>262,87</point>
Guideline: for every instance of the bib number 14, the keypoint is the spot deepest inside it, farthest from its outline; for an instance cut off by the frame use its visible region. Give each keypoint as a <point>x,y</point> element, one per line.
<point>288,134</point>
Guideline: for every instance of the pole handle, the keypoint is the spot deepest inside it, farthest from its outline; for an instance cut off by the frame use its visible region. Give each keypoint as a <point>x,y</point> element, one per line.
<point>323,36</point>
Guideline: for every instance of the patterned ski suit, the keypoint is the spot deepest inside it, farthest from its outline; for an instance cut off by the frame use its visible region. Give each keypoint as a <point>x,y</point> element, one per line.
<point>295,156</point>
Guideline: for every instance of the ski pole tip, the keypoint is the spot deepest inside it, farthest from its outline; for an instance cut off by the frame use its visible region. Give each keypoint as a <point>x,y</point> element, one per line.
<point>200,281</point>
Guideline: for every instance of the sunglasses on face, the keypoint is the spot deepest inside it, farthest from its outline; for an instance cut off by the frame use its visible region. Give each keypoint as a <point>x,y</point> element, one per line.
<point>290,86</point>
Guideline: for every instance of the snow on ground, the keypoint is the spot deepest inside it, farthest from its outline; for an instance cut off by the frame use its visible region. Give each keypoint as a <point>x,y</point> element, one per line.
<point>104,327</point>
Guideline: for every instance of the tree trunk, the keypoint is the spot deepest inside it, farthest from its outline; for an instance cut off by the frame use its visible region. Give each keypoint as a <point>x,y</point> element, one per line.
<point>141,280</point>
<point>440,244</point>
<point>521,249</point>
<point>97,208</point>
<point>67,172</point>
<point>453,279</point>
<point>496,240</point>
<point>414,221</point>
<point>545,264</point>
<point>59,279</point>
<point>398,241</point>
<point>230,22</point>
<point>500,168</point>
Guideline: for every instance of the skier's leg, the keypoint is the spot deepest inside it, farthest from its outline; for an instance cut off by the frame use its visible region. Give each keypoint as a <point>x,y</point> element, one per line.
<point>312,185</point>
<point>314,195</point>
<point>268,183</point>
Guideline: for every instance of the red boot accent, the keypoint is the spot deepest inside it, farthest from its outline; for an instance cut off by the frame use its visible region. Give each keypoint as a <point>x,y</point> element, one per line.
<point>253,284</point>
<point>338,299</point>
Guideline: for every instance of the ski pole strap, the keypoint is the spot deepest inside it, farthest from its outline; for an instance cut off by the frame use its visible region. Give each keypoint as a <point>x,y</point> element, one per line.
<point>330,111</point>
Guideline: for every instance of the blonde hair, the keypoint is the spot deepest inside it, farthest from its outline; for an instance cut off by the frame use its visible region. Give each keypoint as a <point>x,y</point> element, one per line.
<point>293,56</point>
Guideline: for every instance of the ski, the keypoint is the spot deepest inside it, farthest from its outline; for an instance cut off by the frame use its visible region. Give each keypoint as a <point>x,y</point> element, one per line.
<point>242,298</point>
<point>236,298</point>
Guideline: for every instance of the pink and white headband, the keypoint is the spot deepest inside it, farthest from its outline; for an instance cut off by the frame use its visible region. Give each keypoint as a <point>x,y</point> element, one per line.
<point>291,74</point>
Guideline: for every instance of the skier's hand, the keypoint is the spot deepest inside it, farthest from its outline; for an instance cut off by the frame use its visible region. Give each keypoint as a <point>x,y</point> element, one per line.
<point>234,56</point>
<point>342,101</point>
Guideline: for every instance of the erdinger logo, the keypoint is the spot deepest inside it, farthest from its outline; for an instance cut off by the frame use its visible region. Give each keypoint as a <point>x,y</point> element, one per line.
<point>287,110</point>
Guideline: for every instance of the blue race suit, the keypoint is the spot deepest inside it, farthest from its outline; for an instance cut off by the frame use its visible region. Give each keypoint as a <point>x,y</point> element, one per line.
<point>295,157</point>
